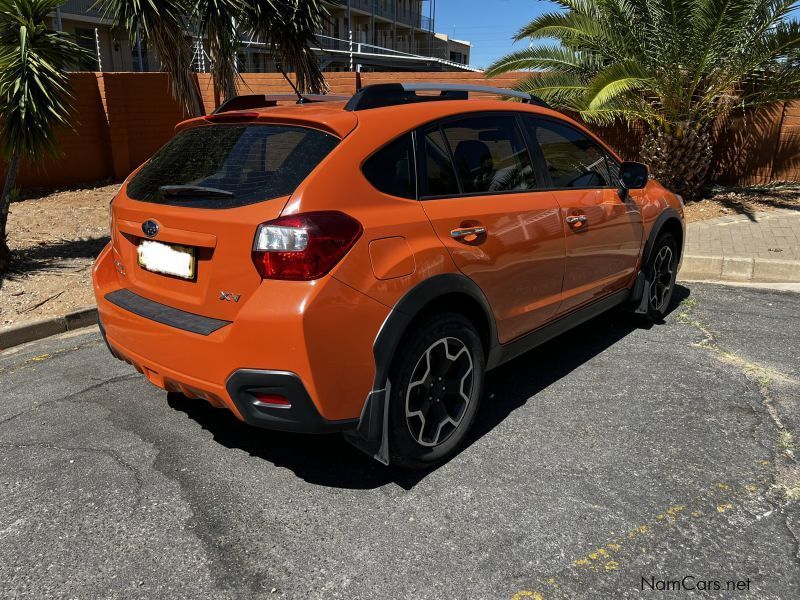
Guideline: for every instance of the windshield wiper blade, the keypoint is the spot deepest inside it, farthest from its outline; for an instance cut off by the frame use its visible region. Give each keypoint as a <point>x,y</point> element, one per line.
<point>194,190</point>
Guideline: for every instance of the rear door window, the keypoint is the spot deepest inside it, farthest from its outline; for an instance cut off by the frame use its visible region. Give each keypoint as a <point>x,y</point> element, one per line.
<point>391,169</point>
<point>490,154</point>
<point>573,160</point>
<point>440,177</point>
<point>227,166</point>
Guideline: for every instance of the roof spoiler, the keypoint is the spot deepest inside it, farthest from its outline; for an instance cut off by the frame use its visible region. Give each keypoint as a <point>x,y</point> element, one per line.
<point>391,94</point>
<point>252,101</point>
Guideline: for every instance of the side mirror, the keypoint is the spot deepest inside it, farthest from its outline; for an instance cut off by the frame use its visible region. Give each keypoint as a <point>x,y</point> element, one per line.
<point>633,175</point>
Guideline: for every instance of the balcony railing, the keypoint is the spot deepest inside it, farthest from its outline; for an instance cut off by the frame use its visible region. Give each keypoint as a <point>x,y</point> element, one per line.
<point>82,7</point>
<point>391,9</point>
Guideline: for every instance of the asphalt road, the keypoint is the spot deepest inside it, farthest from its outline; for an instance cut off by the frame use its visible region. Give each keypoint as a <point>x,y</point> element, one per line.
<point>609,455</point>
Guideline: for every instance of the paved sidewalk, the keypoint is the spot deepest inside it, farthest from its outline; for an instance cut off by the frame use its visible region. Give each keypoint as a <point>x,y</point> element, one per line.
<point>764,248</point>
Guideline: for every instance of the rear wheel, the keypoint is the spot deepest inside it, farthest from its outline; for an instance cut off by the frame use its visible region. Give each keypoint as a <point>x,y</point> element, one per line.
<point>661,272</point>
<point>437,382</point>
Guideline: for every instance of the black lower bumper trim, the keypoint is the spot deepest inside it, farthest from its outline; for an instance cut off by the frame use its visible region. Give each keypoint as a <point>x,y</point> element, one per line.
<point>301,417</point>
<point>166,315</point>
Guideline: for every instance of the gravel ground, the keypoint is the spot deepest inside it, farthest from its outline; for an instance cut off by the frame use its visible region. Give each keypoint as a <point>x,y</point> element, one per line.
<point>55,236</point>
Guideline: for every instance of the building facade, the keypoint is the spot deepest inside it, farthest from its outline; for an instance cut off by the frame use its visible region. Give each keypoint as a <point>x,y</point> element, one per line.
<point>361,35</point>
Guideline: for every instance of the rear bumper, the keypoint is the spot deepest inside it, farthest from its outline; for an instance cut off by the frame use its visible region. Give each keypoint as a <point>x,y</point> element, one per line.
<point>319,357</point>
<point>300,417</point>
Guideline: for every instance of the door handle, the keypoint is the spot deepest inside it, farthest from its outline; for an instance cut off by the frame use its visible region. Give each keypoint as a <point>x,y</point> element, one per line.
<point>577,219</point>
<point>464,232</point>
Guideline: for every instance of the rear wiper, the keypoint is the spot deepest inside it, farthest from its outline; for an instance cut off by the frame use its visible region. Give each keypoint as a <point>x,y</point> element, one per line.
<point>194,190</point>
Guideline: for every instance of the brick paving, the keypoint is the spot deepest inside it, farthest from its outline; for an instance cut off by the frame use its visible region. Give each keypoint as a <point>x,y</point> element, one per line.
<point>761,247</point>
<point>773,235</point>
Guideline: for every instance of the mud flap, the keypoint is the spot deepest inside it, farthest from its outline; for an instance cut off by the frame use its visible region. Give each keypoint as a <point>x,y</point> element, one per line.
<point>372,433</point>
<point>641,293</point>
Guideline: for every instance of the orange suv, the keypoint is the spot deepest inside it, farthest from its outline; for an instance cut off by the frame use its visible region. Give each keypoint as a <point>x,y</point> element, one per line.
<point>358,266</point>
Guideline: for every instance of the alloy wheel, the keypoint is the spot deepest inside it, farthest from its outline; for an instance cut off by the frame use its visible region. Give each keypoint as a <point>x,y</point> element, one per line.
<point>439,392</point>
<point>662,278</point>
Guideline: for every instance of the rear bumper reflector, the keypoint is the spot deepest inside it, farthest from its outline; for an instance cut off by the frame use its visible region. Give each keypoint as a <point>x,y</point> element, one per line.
<point>167,315</point>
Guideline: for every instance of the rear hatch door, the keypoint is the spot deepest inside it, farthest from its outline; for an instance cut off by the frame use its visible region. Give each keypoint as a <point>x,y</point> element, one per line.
<point>184,224</point>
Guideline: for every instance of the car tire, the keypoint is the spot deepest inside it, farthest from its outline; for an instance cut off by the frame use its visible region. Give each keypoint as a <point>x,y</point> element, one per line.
<point>661,271</point>
<point>437,382</point>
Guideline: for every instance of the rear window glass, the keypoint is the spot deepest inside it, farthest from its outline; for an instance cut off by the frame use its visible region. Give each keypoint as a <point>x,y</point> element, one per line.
<point>225,166</point>
<point>391,169</point>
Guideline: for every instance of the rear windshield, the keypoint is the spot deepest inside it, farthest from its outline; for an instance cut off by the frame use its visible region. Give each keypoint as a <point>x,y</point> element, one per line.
<point>225,166</point>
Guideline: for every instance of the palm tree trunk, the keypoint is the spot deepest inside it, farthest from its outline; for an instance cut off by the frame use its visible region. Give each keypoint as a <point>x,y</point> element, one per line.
<point>679,159</point>
<point>5,204</point>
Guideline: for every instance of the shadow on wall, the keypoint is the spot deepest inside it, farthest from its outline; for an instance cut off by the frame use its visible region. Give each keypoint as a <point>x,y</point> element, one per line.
<point>746,146</point>
<point>330,461</point>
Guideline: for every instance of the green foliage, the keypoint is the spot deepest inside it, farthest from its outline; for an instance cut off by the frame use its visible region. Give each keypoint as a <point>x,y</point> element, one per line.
<point>288,27</point>
<point>670,63</point>
<point>35,95</point>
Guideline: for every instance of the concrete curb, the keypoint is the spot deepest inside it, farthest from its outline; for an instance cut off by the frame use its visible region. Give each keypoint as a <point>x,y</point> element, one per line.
<point>36,330</point>
<point>739,269</point>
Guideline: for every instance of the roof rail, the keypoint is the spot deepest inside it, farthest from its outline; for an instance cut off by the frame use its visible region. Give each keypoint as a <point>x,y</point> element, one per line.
<point>250,101</point>
<point>390,94</point>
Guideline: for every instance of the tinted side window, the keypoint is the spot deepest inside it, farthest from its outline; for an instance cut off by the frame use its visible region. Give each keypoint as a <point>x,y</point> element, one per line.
<point>573,160</point>
<point>391,169</point>
<point>490,154</point>
<point>441,178</point>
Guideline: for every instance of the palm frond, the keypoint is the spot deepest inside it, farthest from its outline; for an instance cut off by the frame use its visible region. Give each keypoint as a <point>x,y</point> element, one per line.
<point>289,27</point>
<point>546,58</point>
<point>35,93</point>
<point>164,24</point>
<point>616,80</point>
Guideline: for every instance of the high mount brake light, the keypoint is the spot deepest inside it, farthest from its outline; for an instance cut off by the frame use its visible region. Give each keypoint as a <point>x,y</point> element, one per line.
<point>305,246</point>
<point>240,117</point>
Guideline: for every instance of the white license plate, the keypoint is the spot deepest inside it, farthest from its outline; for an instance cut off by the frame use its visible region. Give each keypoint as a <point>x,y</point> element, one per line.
<point>167,259</point>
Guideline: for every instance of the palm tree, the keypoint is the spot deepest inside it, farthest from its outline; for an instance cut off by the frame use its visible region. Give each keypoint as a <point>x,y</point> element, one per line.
<point>35,95</point>
<point>286,26</point>
<point>677,67</point>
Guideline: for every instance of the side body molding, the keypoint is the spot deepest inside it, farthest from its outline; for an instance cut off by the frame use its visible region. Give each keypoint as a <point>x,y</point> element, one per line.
<point>370,434</point>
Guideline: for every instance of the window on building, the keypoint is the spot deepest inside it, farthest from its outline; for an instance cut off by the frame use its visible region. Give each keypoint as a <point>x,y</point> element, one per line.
<point>87,40</point>
<point>145,66</point>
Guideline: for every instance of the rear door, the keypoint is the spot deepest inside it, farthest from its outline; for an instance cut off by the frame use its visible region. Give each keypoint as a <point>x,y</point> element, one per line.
<point>603,232</point>
<point>196,205</point>
<point>489,208</point>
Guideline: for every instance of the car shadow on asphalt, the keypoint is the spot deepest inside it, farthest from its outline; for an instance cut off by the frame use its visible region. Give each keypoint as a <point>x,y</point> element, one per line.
<point>329,460</point>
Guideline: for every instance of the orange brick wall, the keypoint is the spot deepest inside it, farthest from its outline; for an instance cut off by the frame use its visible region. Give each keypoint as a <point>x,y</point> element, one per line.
<point>122,118</point>
<point>85,149</point>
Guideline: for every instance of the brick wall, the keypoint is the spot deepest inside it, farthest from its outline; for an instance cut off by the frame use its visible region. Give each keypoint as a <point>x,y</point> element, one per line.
<point>122,118</point>
<point>85,148</point>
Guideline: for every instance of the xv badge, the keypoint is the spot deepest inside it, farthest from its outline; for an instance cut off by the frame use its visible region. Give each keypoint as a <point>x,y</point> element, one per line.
<point>228,297</point>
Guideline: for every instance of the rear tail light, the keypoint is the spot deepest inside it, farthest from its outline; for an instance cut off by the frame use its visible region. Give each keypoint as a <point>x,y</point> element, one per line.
<point>304,246</point>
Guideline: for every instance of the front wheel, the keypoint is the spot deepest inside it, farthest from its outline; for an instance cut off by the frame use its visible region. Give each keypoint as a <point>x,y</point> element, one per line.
<point>661,271</point>
<point>437,382</point>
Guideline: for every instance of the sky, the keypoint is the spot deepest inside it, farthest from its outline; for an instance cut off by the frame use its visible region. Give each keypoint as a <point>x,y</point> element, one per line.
<point>489,24</point>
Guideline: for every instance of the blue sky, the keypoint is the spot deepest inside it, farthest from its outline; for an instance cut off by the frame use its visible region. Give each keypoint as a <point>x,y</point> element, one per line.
<point>488,24</point>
